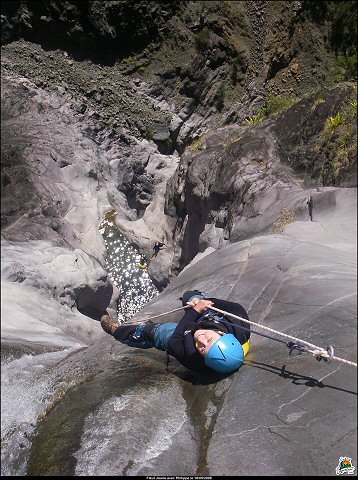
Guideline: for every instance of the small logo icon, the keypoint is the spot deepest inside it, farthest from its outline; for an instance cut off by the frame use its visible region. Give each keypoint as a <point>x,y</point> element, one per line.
<point>345,466</point>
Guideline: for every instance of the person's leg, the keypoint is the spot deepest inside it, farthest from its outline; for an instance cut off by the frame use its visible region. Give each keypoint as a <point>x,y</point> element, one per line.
<point>108,324</point>
<point>140,336</point>
<point>162,335</point>
<point>144,335</point>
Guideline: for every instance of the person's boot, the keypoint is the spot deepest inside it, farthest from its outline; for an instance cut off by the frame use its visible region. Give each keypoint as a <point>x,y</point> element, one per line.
<point>108,324</point>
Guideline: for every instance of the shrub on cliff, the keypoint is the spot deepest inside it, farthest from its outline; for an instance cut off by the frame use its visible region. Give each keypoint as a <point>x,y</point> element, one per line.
<point>342,19</point>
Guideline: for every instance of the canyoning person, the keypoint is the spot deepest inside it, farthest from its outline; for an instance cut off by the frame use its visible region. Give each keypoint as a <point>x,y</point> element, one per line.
<point>157,247</point>
<point>202,341</point>
<point>143,262</point>
<point>310,206</point>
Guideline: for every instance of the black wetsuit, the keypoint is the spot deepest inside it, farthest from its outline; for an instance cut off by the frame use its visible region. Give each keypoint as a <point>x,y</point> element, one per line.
<point>181,344</point>
<point>178,339</point>
<point>157,246</point>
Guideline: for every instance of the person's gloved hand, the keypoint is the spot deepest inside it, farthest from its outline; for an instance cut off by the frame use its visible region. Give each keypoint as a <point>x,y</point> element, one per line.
<point>190,294</point>
<point>200,305</point>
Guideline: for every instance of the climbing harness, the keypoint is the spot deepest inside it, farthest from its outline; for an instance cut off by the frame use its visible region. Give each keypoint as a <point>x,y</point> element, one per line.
<point>318,352</point>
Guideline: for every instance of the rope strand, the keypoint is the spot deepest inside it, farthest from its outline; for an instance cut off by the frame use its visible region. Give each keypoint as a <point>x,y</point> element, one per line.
<point>167,313</point>
<point>317,351</point>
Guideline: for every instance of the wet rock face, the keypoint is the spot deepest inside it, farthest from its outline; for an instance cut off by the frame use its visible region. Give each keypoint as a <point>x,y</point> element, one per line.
<point>99,29</point>
<point>63,166</point>
<point>19,194</point>
<point>285,282</point>
<point>42,155</point>
<point>231,183</point>
<point>301,283</point>
<point>312,143</point>
<point>18,197</point>
<point>23,196</point>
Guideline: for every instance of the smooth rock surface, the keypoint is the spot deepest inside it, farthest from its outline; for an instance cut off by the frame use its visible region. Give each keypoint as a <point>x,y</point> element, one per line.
<point>276,405</point>
<point>106,409</point>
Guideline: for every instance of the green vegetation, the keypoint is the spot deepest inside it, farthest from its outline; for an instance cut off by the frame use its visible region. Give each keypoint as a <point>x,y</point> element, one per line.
<point>254,120</point>
<point>273,104</point>
<point>340,161</point>
<point>220,97</point>
<point>285,217</point>
<point>320,99</point>
<point>202,38</point>
<point>197,145</point>
<point>341,16</point>
<point>149,132</point>
<point>339,140</point>
<point>349,66</point>
<point>336,121</point>
<point>344,26</point>
<point>316,11</point>
<point>345,117</point>
<point>352,109</point>
<point>110,216</point>
<point>276,103</point>
<point>345,140</point>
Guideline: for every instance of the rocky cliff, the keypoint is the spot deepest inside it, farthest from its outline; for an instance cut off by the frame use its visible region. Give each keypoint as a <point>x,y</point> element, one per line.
<point>227,130</point>
<point>271,63</point>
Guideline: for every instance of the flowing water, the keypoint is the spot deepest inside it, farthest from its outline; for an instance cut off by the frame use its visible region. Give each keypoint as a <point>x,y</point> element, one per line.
<point>134,284</point>
<point>31,383</point>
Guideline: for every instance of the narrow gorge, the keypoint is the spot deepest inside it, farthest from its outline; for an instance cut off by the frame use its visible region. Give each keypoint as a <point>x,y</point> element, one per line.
<point>228,131</point>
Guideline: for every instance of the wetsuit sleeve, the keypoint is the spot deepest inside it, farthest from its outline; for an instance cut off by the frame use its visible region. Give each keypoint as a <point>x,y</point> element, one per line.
<point>239,311</point>
<point>186,322</point>
<point>181,344</point>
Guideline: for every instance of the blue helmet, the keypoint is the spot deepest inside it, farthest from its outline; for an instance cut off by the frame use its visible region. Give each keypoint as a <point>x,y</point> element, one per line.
<point>226,355</point>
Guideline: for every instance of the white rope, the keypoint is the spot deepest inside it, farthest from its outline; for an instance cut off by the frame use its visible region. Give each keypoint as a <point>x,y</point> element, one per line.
<point>166,313</point>
<point>317,351</point>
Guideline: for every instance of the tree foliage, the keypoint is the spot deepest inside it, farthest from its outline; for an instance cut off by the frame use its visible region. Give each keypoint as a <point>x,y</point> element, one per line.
<point>342,19</point>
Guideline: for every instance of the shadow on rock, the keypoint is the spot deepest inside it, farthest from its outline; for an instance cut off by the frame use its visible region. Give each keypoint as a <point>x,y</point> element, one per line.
<point>297,378</point>
<point>200,379</point>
